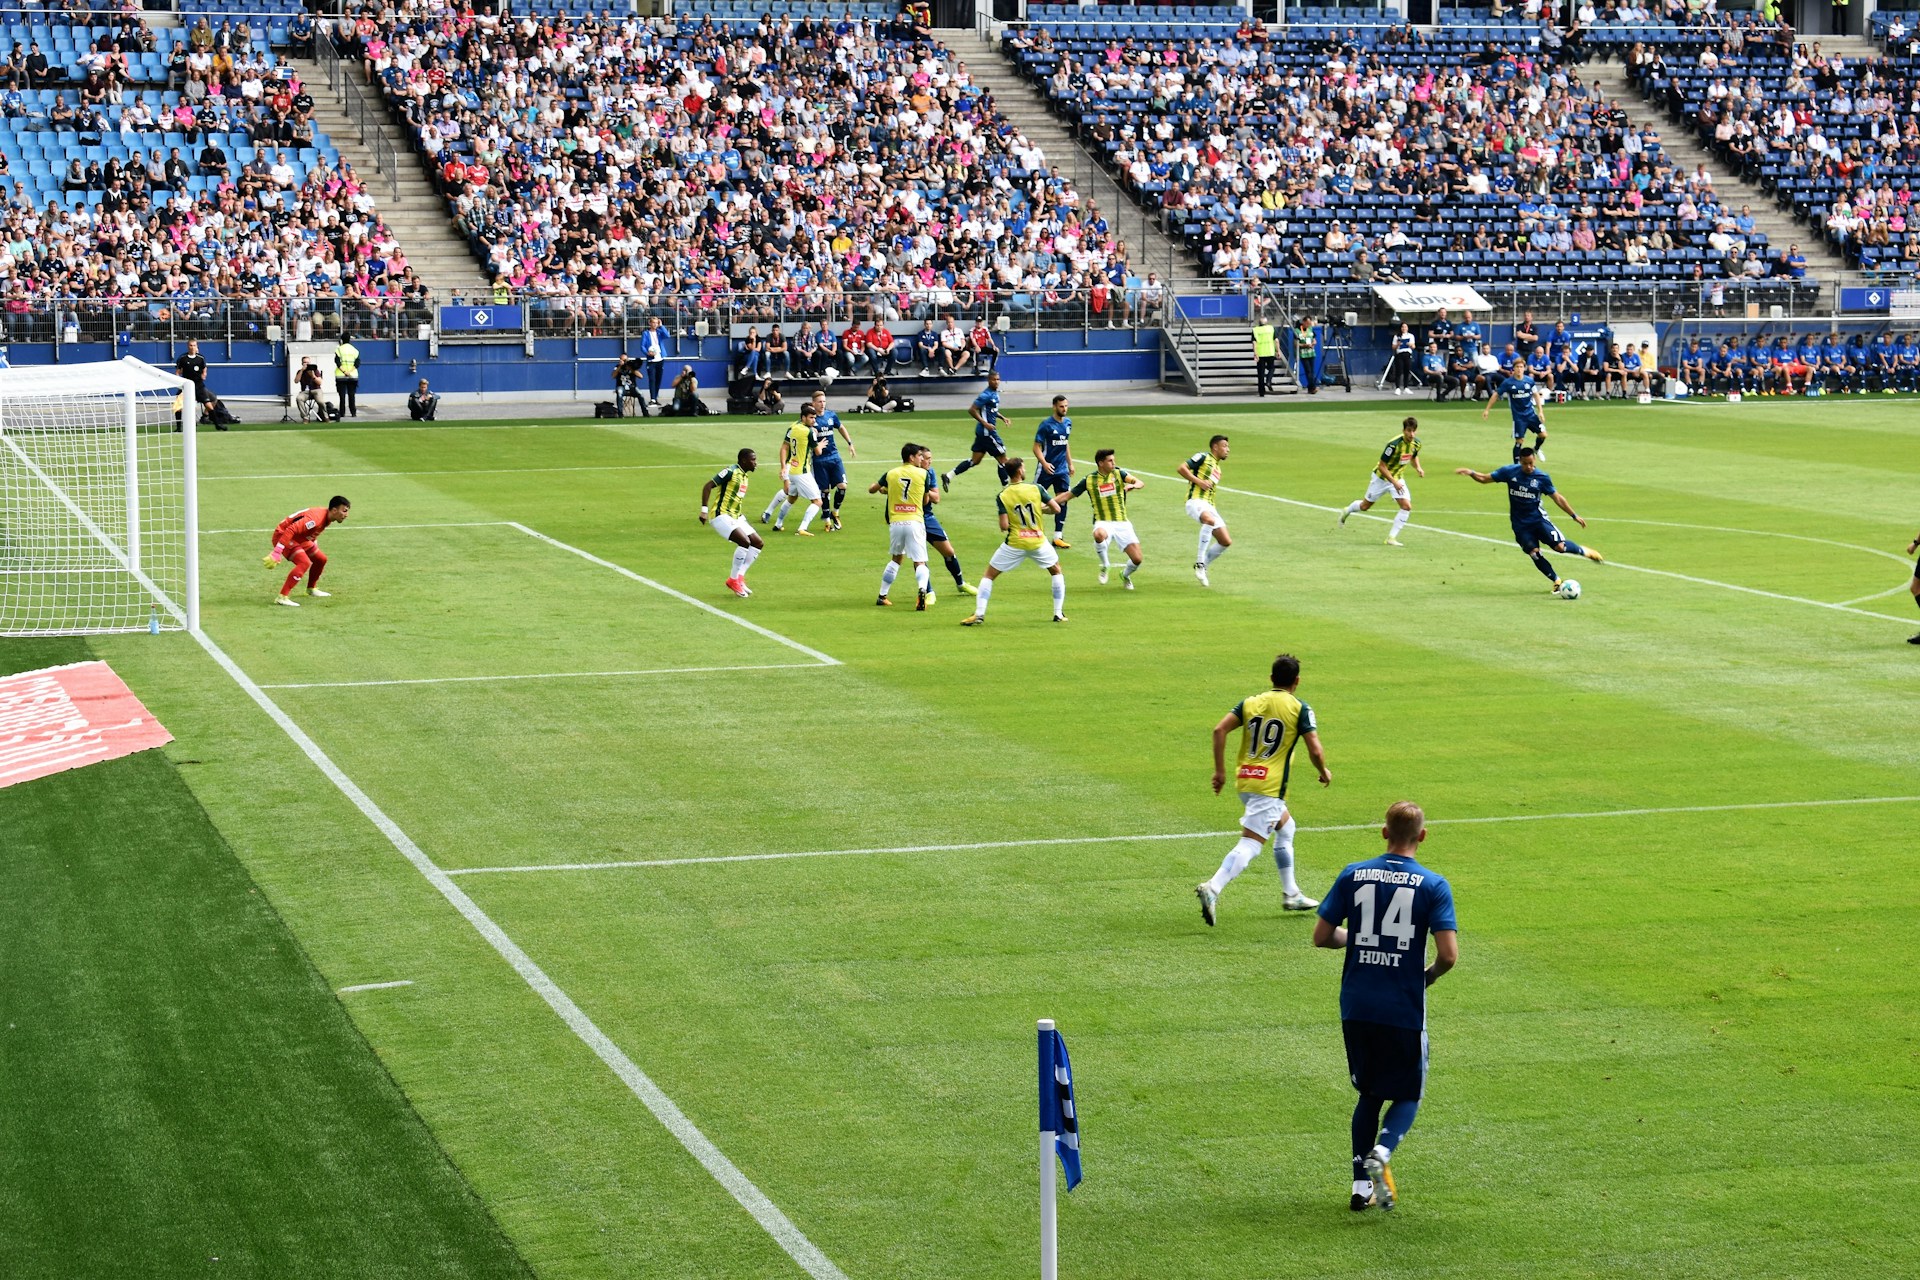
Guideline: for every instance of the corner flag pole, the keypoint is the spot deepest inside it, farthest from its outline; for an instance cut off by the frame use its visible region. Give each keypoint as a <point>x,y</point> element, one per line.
<point>1049,1240</point>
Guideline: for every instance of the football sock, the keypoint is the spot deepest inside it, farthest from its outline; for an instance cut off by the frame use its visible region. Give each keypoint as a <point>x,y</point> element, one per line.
<point>1060,521</point>
<point>1540,563</point>
<point>813,509</point>
<point>292,579</point>
<point>1133,567</point>
<point>753,553</point>
<point>1399,523</point>
<point>1573,548</point>
<point>966,465</point>
<point>953,567</point>
<point>1366,1127</point>
<point>981,596</point>
<point>1206,538</point>
<point>1100,550</point>
<point>1214,551</point>
<point>1234,863</point>
<point>781,505</point>
<point>1399,1119</point>
<point>1916,601</point>
<point>739,562</point>
<point>922,580</point>
<point>313,575</point>
<point>1283,855</point>
<point>1059,594</point>
<point>1353,508</point>
<point>887,575</point>
<point>767,514</point>
<point>839,496</point>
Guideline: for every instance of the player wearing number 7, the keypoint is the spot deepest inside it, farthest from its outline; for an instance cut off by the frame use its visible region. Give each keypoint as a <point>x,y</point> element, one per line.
<point>1271,725</point>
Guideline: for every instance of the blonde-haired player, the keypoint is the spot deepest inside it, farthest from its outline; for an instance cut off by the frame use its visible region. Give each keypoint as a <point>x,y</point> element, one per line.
<point>797,450</point>
<point>1020,507</point>
<point>1202,474</point>
<point>1389,478</point>
<point>1271,724</point>
<point>905,488</point>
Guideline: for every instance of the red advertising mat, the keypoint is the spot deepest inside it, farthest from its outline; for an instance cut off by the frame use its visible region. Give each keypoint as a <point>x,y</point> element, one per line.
<point>65,717</point>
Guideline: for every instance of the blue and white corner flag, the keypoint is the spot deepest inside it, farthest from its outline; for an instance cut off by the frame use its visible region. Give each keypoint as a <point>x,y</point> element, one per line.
<point>1057,1113</point>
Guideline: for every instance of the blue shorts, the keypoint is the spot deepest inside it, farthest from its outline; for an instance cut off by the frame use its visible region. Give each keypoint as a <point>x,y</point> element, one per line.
<point>989,443</point>
<point>1386,1062</point>
<point>829,472</point>
<point>1520,428</point>
<point>934,532</point>
<point>1059,480</point>
<point>1533,533</point>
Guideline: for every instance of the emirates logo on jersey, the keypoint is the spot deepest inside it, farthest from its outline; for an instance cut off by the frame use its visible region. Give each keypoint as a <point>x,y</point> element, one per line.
<point>1255,771</point>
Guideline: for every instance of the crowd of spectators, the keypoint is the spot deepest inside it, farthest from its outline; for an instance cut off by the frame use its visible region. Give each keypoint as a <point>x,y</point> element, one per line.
<point>195,195</point>
<point>790,167</point>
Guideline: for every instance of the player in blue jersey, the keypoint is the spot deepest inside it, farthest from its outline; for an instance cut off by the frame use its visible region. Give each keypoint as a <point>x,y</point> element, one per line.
<point>1540,366</point>
<point>1914,586</point>
<point>1907,365</point>
<point>1520,390</point>
<point>1832,367</point>
<point>1720,371</point>
<point>829,472</point>
<point>1381,913</point>
<point>937,539</point>
<point>1739,368</point>
<point>985,412</point>
<point>1053,452</point>
<point>1526,486</point>
<point>1880,362</point>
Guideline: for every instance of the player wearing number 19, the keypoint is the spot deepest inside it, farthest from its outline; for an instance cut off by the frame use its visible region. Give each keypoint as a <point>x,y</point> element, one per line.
<point>1381,913</point>
<point>1020,507</point>
<point>1271,725</point>
<point>905,488</point>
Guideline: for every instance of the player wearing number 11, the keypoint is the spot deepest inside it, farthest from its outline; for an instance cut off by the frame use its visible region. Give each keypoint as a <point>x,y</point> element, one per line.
<point>1271,724</point>
<point>1020,507</point>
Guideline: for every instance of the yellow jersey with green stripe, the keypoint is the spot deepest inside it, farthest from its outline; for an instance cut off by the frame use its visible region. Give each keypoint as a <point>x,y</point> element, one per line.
<point>1107,493</point>
<point>730,487</point>
<point>1204,466</point>
<point>799,449</point>
<point>906,490</point>
<point>1271,725</point>
<point>1399,452</point>
<point>1021,504</point>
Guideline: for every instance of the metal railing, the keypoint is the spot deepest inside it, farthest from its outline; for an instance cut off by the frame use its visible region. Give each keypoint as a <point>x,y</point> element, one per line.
<point>66,321</point>
<point>367,111</point>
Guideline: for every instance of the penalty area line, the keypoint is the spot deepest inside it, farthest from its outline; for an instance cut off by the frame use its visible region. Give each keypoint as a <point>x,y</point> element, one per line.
<point>640,864</point>
<point>374,986</point>
<point>548,675</point>
<point>775,1223</point>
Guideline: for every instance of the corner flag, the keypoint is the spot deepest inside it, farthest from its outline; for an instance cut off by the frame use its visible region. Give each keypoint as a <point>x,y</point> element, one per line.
<point>1057,1114</point>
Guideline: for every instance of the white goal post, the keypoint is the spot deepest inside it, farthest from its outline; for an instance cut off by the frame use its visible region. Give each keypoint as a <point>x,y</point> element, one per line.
<point>99,524</point>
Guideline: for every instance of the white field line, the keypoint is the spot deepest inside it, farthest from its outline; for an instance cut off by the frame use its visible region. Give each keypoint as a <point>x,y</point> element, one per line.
<point>776,1224</point>
<point>548,675</point>
<point>1717,528</point>
<point>376,986</point>
<point>682,596</point>
<point>468,471</point>
<point>1507,542</point>
<point>1902,589</point>
<point>384,528</point>
<point>1178,835</point>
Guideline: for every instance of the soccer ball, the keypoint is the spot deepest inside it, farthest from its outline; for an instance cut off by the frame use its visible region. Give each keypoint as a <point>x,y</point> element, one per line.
<point>1569,590</point>
<point>828,376</point>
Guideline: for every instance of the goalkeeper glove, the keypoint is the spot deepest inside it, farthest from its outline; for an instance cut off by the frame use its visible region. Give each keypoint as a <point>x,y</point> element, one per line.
<point>273,558</point>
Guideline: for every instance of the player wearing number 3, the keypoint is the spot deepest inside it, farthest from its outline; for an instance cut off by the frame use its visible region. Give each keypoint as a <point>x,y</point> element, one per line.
<point>1271,724</point>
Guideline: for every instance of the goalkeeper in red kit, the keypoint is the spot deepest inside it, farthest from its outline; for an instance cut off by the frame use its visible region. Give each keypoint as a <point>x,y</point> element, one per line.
<point>294,543</point>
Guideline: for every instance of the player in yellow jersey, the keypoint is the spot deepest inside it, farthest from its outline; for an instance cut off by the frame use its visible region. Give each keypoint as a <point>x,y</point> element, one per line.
<point>1106,491</point>
<point>1389,478</point>
<point>797,449</point>
<point>729,518</point>
<point>1020,507</point>
<point>1271,724</point>
<point>1202,474</point>
<point>905,488</point>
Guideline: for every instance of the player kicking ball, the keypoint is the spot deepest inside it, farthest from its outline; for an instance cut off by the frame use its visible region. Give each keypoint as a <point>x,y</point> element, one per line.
<point>294,541</point>
<point>1106,490</point>
<point>906,490</point>
<point>1389,478</point>
<point>1020,507</point>
<point>1271,725</point>
<point>729,518</point>
<point>1526,486</point>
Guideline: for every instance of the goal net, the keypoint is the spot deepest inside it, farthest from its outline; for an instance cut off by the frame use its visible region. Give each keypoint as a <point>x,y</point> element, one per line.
<point>97,500</point>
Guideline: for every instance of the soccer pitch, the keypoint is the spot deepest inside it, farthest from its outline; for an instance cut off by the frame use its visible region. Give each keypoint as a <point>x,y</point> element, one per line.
<point>802,887</point>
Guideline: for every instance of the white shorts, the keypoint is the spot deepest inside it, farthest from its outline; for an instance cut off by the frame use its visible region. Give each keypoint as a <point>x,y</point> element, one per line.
<point>908,538</point>
<point>1263,814</point>
<point>1007,557</point>
<point>1378,489</point>
<point>725,525</point>
<point>1119,531</point>
<point>803,486</point>
<point>1195,506</point>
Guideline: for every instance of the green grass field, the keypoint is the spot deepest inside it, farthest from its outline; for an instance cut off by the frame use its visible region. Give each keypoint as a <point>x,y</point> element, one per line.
<point>1680,1042</point>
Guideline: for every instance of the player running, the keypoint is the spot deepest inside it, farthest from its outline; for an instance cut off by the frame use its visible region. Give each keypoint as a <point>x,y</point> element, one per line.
<point>937,538</point>
<point>1521,392</point>
<point>1914,586</point>
<point>1271,725</point>
<point>1106,490</point>
<point>829,473</point>
<point>907,496</point>
<point>1381,913</point>
<point>797,451</point>
<point>985,412</point>
<point>1020,507</point>
<point>294,540</point>
<point>1526,486</point>
<point>1053,456</point>
<point>730,521</point>
<point>1202,474</point>
<point>1388,478</point>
